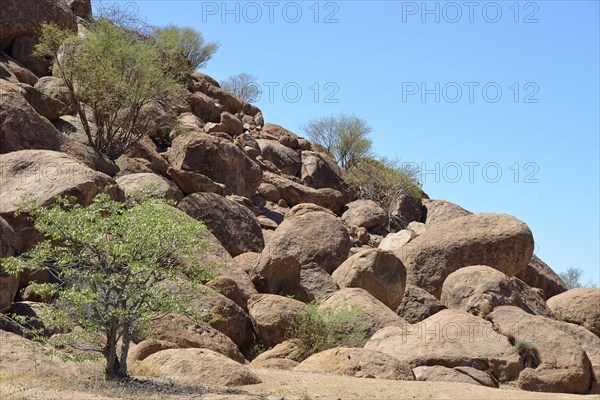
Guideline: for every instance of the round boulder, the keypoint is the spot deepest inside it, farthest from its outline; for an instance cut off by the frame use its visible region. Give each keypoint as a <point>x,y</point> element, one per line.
<point>478,289</point>
<point>579,306</point>
<point>496,240</point>
<point>379,272</point>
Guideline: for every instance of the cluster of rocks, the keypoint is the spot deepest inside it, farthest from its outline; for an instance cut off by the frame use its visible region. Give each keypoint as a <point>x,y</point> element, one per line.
<point>445,294</point>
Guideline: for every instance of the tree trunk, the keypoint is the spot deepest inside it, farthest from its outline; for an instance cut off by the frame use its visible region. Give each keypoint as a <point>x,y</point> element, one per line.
<point>112,370</point>
<point>124,350</point>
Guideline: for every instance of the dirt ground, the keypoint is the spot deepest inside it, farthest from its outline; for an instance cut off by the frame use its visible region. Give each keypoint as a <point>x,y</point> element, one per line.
<point>294,385</point>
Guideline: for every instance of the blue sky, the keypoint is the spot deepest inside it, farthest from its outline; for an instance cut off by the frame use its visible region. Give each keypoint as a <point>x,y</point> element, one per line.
<point>497,102</point>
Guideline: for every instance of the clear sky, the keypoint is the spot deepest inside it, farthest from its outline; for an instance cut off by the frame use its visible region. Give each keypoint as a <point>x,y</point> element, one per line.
<point>497,102</point>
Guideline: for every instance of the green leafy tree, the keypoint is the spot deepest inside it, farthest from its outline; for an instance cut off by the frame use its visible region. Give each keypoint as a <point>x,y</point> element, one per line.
<point>344,136</point>
<point>183,46</point>
<point>572,278</point>
<point>112,74</point>
<point>111,261</point>
<point>243,86</point>
<point>318,329</point>
<point>384,181</point>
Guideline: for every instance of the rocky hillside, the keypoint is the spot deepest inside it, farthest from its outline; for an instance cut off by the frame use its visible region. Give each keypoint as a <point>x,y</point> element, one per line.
<point>449,296</point>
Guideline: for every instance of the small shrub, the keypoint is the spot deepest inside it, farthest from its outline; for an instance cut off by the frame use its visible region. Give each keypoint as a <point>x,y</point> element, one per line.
<point>318,330</point>
<point>528,353</point>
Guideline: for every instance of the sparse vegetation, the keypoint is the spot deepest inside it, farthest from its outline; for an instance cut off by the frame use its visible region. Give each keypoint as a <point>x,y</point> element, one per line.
<point>344,136</point>
<point>183,49</point>
<point>572,278</point>
<point>528,353</point>
<point>383,181</point>
<point>109,261</point>
<point>318,330</point>
<point>114,75</point>
<point>243,86</point>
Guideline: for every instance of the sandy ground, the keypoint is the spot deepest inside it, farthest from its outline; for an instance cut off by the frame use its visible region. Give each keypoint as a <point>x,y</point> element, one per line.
<point>294,385</point>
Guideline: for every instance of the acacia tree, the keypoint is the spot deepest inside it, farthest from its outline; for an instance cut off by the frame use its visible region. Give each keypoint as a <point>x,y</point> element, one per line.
<point>344,136</point>
<point>110,261</point>
<point>115,75</point>
<point>183,49</point>
<point>572,278</point>
<point>243,86</point>
<point>384,181</point>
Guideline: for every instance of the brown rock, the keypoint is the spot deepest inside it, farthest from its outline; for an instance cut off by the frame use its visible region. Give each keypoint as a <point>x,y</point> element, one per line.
<point>16,67</point>
<point>219,160</point>
<point>191,182</point>
<point>365,213</point>
<point>22,128</point>
<point>287,350</point>
<point>438,373</point>
<point>235,226</point>
<point>417,305</point>
<point>44,174</point>
<point>438,211</point>
<point>55,89</point>
<point>372,314</point>
<point>201,366</point>
<point>321,171</point>
<point>358,362</point>
<point>271,315</point>
<point>146,348</point>
<point>228,288</point>
<point>81,8</point>
<point>179,331</point>
<point>150,184</point>
<point>146,149</point>
<point>205,108</point>
<point>499,241</point>
<point>294,193</point>
<point>316,281</point>
<point>450,338</point>
<point>538,274</point>
<point>379,272</point>
<point>284,158</point>
<point>478,289</point>
<point>407,209</point>
<point>395,242</point>
<point>555,362</point>
<point>24,17</point>
<point>579,306</point>
<point>297,237</point>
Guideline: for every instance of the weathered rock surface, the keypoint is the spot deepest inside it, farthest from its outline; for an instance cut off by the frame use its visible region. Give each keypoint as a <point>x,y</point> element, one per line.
<point>201,366</point>
<point>438,211</point>
<point>44,174</point>
<point>417,305</point>
<point>218,159</point>
<point>438,373</point>
<point>539,275</point>
<point>295,193</point>
<point>284,158</point>
<point>234,225</point>
<point>178,330</point>
<point>22,128</point>
<point>146,348</point>
<point>379,272</point>
<point>371,314</point>
<point>580,306</point>
<point>362,363</point>
<point>499,241</point>
<point>450,338</point>
<point>149,184</point>
<point>548,369</point>
<point>364,213</point>
<point>280,356</point>
<point>271,315</point>
<point>23,17</point>
<point>321,171</point>
<point>478,289</point>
